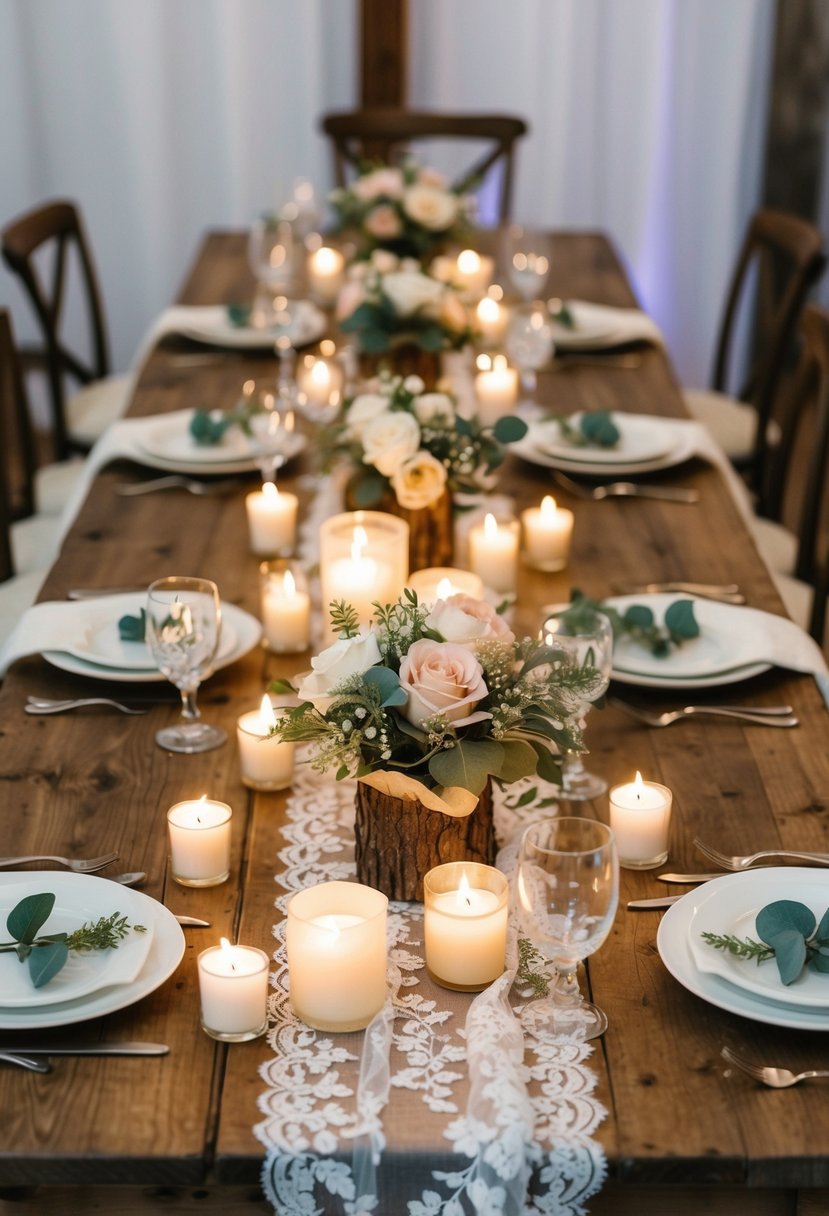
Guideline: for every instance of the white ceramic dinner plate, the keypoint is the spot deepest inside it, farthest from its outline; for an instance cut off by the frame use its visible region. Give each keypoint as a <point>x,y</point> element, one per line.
<point>168,444</point>
<point>675,951</point>
<point>165,952</point>
<point>642,438</point>
<point>724,653</point>
<point>102,644</point>
<point>240,633</point>
<point>730,905</point>
<point>533,447</point>
<point>308,324</point>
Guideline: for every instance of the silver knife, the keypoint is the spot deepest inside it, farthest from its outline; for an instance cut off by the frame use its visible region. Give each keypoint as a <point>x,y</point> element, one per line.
<point>58,1048</point>
<point>662,901</point>
<point>692,878</point>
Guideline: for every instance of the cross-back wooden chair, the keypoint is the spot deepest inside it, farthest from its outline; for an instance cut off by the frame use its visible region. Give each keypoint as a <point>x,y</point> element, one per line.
<point>45,248</point>
<point>781,258</point>
<point>386,135</point>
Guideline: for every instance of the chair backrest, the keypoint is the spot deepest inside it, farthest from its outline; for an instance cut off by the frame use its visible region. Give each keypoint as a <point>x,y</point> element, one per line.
<point>781,258</point>
<point>44,248</point>
<point>386,135</point>
<point>18,458</point>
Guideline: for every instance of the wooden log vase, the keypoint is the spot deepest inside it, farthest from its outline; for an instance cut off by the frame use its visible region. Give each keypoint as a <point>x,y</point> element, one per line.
<point>399,840</point>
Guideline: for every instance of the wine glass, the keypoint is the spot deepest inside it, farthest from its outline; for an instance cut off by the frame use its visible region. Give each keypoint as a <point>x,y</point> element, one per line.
<point>270,408</point>
<point>184,619</point>
<point>567,891</point>
<point>273,253</point>
<point>529,341</point>
<point>585,641</point>
<point>528,267</point>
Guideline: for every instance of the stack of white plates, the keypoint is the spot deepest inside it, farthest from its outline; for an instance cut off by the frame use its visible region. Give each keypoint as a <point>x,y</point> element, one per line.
<point>646,444</point>
<point>729,905</point>
<point>94,983</point>
<point>306,323</point>
<point>166,443</point>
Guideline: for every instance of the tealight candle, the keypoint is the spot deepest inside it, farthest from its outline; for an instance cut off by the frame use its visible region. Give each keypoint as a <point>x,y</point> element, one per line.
<point>271,520</point>
<point>266,764</point>
<point>548,530</point>
<point>286,607</point>
<point>326,267</point>
<point>336,944</point>
<point>233,985</point>
<point>640,816</point>
<point>364,556</point>
<point>473,271</point>
<point>493,552</point>
<point>491,321</point>
<point>440,582</point>
<point>496,389</point>
<point>199,836</point>
<point>320,381</point>
<point>465,908</point>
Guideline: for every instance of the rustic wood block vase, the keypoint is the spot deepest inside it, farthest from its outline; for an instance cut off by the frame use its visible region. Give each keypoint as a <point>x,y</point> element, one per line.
<point>431,529</point>
<point>399,840</point>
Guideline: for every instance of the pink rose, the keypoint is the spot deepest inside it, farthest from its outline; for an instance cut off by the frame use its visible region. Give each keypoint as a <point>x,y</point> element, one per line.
<point>383,222</point>
<point>441,678</point>
<point>463,620</point>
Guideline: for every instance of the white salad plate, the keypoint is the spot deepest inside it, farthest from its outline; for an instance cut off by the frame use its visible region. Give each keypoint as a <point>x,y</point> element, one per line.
<point>169,442</point>
<point>642,439</point>
<point>102,644</point>
<point>101,897</point>
<point>307,324</point>
<point>534,447</point>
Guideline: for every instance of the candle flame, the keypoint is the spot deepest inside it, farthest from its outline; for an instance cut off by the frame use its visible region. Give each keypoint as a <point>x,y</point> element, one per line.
<point>445,589</point>
<point>329,924</point>
<point>266,715</point>
<point>638,785</point>
<point>225,944</point>
<point>463,892</point>
<point>269,489</point>
<point>483,363</point>
<point>227,951</point>
<point>326,260</point>
<point>359,542</point>
<point>320,374</point>
<point>548,506</point>
<point>490,525</point>
<point>488,309</point>
<point>468,261</point>
<point>499,363</point>
<point>327,348</point>
<point>289,584</point>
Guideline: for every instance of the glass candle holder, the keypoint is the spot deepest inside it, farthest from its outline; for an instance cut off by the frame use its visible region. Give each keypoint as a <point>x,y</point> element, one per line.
<point>271,515</point>
<point>547,532</point>
<point>265,763</point>
<point>233,986</point>
<point>496,389</point>
<point>199,837</point>
<point>493,552</point>
<point>336,943</point>
<point>465,907</point>
<point>319,381</point>
<point>286,607</point>
<point>364,556</point>
<point>326,274</point>
<point>440,582</point>
<point>640,816</point>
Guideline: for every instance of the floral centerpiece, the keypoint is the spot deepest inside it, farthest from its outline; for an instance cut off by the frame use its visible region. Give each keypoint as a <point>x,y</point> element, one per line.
<point>427,707</point>
<point>409,210</point>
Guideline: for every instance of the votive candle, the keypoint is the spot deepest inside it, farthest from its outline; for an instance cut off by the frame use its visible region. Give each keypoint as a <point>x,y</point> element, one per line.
<point>465,908</point>
<point>271,520</point>
<point>640,816</point>
<point>491,321</point>
<point>496,389</point>
<point>286,608</point>
<point>266,764</point>
<point>326,268</point>
<point>440,582</point>
<point>493,552</point>
<point>199,836</point>
<point>473,271</point>
<point>548,531</point>
<point>233,986</point>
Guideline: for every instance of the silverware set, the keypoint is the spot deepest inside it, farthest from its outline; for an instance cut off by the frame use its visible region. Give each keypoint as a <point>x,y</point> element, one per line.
<point>624,489</point>
<point>757,715</point>
<point>37,1058</point>
<point>766,1074</point>
<point>89,865</point>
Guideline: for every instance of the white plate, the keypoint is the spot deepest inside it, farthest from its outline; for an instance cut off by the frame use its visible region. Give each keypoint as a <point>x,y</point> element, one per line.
<point>170,440</point>
<point>308,324</point>
<point>165,953</point>
<point>730,905</point>
<point>75,905</point>
<point>724,652</point>
<point>103,645</point>
<point>642,438</point>
<point>246,629</point>
<point>684,447</point>
<point>675,952</point>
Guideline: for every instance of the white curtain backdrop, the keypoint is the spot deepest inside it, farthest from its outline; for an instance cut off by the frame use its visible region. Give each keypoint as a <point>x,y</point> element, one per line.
<point>165,117</point>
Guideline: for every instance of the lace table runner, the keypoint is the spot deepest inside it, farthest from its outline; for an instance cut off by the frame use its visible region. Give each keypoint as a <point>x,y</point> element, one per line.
<point>446,1105</point>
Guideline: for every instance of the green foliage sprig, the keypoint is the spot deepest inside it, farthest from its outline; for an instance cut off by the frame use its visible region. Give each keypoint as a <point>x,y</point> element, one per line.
<point>789,933</point>
<point>47,953</point>
<point>528,974</point>
<point>593,429</point>
<point>638,622</point>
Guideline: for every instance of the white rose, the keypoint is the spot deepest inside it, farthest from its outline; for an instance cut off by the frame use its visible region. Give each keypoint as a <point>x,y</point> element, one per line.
<point>362,410</point>
<point>410,290</point>
<point>465,620</point>
<point>384,261</point>
<point>389,439</point>
<point>439,678</point>
<point>386,182</point>
<point>434,209</point>
<point>413,385</point>
<point>429,406</point>
<point>419,481</point>
<point>443,268</point>
<point>345,657</point>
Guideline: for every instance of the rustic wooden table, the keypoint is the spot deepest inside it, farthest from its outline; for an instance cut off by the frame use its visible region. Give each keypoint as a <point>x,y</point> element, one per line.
<point>128,1135</point>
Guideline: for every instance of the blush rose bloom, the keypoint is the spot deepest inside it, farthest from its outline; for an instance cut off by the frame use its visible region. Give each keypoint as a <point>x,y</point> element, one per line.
<point>409,291</point>
<point>418,481</point>
<point>464,620</point>
<point>384,261</point>
<point>441,678</point>
<point>433,209</point>
<point>351,296</point>
<point>389,439</point>
<point>345,657</point>
<point>453,312</point>
<point>362,410</point>
<point>386,181</point>
<point>383,222</point>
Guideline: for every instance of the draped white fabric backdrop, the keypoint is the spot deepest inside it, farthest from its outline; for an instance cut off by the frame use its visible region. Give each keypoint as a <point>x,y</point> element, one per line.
<point>165,117</point>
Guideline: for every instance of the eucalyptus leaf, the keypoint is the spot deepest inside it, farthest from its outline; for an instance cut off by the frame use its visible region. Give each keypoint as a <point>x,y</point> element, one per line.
<point>680,620</point>
<point>519,761</point>
<point>789,954</point>
<point>822,931</point>
<point>598,428</point>
<point>388,684</point>
<point>468,764</point>
<point>638,616</point>
<point>46,962</point>
<point>509,429</point>
<point>784,915</point>
<point>26,917</point>
<point>133,628</point>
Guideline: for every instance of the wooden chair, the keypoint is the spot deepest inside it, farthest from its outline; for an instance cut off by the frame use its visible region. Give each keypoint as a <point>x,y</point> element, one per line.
<point>387,135</point>
<point>781,258</point>
<point>44,248</point>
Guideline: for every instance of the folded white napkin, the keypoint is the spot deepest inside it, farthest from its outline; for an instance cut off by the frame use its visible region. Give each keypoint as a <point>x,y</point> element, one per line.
<point>599,326</point>
<point>47,626</point>
<point>176,320</point>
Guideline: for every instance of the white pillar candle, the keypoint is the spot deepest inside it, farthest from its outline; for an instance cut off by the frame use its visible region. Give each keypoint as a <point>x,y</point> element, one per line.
<point>496,390</point>
<point>286,608</point>
<point>493,552</point>
<point>233,985</point>
<point>266,764</point>
<point>326,267</point>
<point>271,520</point>
<point>640,816</point>
<point>465,924</point>
<point>199,835</point>
<point>491,321</point>
<point>548,530</point>
<point>473,271</point>
<point>440,582</point>
<point>320,380</point>
<point>364,557</point>
<point>336,943</point>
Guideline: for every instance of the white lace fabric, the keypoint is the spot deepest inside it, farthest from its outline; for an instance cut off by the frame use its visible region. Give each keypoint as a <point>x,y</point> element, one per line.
<point>446,1105</point>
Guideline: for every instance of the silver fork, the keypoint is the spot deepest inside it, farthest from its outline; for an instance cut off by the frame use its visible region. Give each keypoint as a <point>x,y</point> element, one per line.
<point>625,489</point>
<point>761,715</point>
<point>746,860</point>
<point>174,482</point>
<point>88,865</point>
<point>42,705</point>
<point>776,1078</point>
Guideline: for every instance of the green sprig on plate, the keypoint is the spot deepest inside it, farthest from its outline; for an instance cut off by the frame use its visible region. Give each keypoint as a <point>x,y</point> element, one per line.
<point>133,628</point>
<point>789,933</point>
<point>595,429</point>
<point>638,622</point>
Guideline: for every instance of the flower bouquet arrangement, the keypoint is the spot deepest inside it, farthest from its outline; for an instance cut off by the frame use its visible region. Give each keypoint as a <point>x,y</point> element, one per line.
<point>412,443</point>
<point>407,209</point>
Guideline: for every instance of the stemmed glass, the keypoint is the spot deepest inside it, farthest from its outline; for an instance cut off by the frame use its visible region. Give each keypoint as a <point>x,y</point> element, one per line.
<point>184,619</point>
<point>567,891</point>
<point>585,641</point>
<point>528,268</point>
<point>273,254</point>
<point>529,342</point>
<point>272,421</point>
